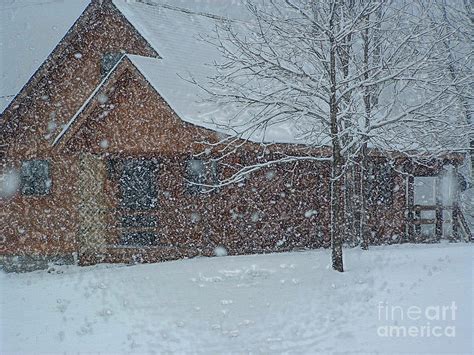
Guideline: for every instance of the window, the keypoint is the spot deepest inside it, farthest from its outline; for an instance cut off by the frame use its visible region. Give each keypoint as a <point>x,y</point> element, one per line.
<point>380,183</point>
<point>200,172</point>
<point>35,178</point>
<point>425,190</point>
<point>195,173</point>
<point>138,184</point>
<point>139,221</point>
<point>214,173</point>
<point>139,239</point>
<point>108,61</point>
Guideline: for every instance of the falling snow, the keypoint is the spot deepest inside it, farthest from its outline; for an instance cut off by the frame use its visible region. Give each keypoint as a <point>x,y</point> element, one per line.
<point>220,251</point>
<point>104,143</point>
<point>9,183</point>
<point>236,176</point>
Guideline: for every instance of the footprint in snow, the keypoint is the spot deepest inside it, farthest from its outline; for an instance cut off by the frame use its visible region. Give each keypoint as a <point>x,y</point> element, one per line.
<point>246,322</point>
<point>345,335</point>
<point>274,339</point>
<point>61,336</point>
<point>63,304</point>
<point>234,333</point>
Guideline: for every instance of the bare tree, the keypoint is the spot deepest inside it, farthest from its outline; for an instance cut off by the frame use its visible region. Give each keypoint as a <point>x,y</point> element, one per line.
<point>348,74</point>
<point>457,18</point>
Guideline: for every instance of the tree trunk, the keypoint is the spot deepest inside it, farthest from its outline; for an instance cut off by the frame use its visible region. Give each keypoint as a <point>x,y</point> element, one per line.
<point>369,101</point>
<point>351,206</point>
<point>337,211</point>
<point>363,202</point>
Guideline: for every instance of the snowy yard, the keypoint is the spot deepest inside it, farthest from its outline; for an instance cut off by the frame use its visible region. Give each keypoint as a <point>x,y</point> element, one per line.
<point>172,127</point>
<point>290,302</point>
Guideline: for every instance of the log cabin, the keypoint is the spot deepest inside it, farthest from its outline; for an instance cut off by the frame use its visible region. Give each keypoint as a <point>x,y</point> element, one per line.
<point>110,149</point>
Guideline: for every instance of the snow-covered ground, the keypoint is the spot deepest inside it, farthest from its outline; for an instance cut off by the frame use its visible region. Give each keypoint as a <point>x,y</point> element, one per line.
<point>290,302</point>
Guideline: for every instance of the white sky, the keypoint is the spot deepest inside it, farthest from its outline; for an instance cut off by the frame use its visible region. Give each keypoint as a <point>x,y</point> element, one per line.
<point>29,31</point>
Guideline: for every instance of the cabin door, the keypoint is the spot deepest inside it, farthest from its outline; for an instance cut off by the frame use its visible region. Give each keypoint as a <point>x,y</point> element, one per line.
<point>432,192</point>
<point>92,207</point>
<point>425,191</point>
<point>138,200</point>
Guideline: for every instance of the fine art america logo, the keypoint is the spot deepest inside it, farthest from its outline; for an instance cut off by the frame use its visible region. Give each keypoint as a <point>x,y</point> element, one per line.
<point>417,321</point>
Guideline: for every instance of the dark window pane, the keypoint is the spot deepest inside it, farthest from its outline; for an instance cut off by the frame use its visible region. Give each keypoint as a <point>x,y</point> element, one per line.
<point>35,177</point>
<point>200,172</point>
<point>138,184</point>
<point>139,239</point>
<point>214,173</point>
<point>195,174</point>
<point>380,183</point>
<point>139,221</point>
<point>108,61</point>
<point>387,185</point>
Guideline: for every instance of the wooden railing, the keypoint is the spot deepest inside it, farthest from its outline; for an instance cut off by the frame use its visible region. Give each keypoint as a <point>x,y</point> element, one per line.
<point>460,227</point>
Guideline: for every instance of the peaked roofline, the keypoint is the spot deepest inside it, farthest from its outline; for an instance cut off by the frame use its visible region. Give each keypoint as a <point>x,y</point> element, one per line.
<point>188,11</point>
<point>137,32</point>
<point>86,103</point>
<point>74,122</point>
<point>57,48</point>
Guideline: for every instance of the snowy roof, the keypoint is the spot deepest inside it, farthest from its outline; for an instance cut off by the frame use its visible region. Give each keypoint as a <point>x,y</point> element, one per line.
<point>179,38</point>
<point>178,34</point>
<point>182,98</point>
<point>175,34</point>
<point>29,31</point>
<point>174,28</point>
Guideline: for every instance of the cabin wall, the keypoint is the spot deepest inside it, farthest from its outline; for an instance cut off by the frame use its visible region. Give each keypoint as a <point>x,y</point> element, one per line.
<point>67,79</point>
<point>386,221</point>
<point>42,225</point>
<point>46,225</point>
<point>279,208</point>
<point>267,213</point>
<point>130,117</point>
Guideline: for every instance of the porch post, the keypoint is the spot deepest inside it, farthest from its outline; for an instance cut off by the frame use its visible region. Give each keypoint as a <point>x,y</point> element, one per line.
<point>417,223</point>
<point>439,209</point>
<point>455,213</point>
<point>410,205</point>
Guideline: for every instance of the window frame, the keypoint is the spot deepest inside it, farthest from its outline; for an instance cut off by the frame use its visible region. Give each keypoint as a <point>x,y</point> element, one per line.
<point>210,176</point>
<point>381,184</point>
<point>152,166</point>
<point>28,185</point>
